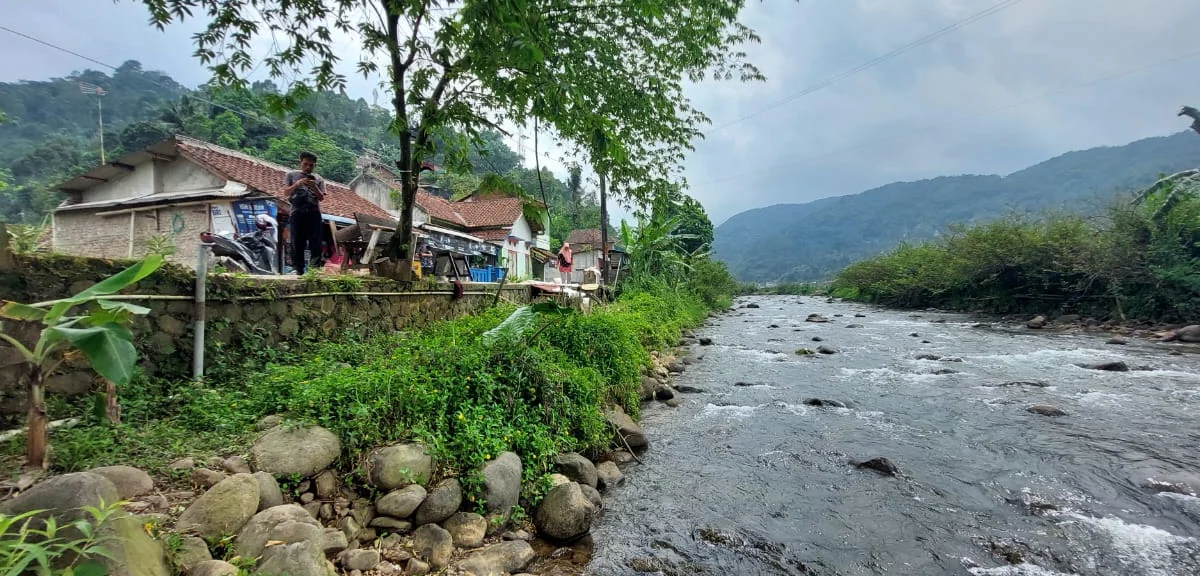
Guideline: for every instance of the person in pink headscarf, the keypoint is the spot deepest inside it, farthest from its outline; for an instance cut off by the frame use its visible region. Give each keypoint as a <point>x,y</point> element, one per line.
<point>566,262</point>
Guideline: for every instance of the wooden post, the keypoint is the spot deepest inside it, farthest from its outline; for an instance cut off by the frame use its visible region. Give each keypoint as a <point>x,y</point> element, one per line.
<point>111,408</point>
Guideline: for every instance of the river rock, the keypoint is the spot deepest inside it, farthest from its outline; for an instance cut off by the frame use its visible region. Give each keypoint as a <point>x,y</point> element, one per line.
<point>674,402</point>
<point>499,559</point>
<point>1159,486</point>
<point>827,349</point>
<point>182,464</point>
<point>361,559</point>
<point>685,389</point>
<point>855,326</point>
<point>192,551</point>
<point>565,513</point>
<point>1117,340</point>
<point>325,484</point>
<point>664,393</point>
<point>236,465</point>
<point>301,451</point>
<point>391,525</point>
<point>1046,410</point>
<point>400,465</point>
<point>305,558</point>
<point>128,481</point>
<point>501,487</point>
<point>214,568</point>
<point>205,478</point>
<point>224,509</point>
<point>675,367</point>
<point>627,429</point>
<point>1032,384</point>
<point>577,468</point>
<point>821,402</point>
<point>752,305</point>
<point>928,357</point>
<point>860,315</point>
<point>254,536</point>
<point>334,541</point>
<point>401,503</point>
<point>649,386</point>
<point>608,475</point>
<point>268,422</point>
<point>1185,334</point>
<point>1115,366</point>
<point>816,318</point>
<point>817,339</point>
<point>1037,323</point>
<point>558,480</point>
<point>269,494</point>
<point>441,502</point>
<point>466,529</point>
<point>706,341</point>
<point>433,544</point>
<point>593,496</point>
<point>881,465</point>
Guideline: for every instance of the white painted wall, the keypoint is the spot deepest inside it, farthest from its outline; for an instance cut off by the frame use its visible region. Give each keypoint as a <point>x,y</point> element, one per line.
<point>155,177</point>
<point>182,175</point>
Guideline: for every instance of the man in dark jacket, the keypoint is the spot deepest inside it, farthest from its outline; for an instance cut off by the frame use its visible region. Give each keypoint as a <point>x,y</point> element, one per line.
<point>305,190</point>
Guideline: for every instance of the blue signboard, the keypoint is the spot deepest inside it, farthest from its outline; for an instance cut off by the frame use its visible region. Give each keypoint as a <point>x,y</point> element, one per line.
<point>244,212</point>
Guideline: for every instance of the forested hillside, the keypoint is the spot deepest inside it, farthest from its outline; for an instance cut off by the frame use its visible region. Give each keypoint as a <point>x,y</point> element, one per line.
<point>815,240</point>
<point>49,132</point>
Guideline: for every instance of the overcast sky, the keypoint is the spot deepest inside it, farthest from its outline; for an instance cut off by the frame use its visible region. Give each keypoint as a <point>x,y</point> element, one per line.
<point>1036,79</point>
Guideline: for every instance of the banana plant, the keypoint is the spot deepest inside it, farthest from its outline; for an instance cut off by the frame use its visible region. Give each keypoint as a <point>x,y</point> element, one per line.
<point>101,334</point>
<point>523,319</point>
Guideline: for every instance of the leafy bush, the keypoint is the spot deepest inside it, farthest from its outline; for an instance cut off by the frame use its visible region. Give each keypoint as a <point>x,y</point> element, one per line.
<point>32,545</point>
<point>1142,261</point>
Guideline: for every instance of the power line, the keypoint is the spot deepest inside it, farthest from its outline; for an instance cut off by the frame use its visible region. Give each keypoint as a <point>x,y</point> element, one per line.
<point>995,8</point>
<point>972,116</point>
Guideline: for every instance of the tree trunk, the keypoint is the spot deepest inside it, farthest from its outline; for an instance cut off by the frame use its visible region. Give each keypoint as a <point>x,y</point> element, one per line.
<point>111,409</point>
<point>37,420</point>
<point>400,248</point>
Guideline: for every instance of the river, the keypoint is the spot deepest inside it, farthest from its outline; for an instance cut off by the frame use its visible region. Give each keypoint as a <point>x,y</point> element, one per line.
<point>748,479</point>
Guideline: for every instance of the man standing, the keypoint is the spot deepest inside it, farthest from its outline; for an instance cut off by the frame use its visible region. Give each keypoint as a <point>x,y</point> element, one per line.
<point>305,190</point>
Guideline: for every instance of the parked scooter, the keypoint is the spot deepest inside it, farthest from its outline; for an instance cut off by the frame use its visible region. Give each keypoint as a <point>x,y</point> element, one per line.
<point>253,253</point>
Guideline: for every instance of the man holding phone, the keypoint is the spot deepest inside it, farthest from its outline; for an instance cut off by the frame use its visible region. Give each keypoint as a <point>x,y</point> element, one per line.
<point>305,190</point>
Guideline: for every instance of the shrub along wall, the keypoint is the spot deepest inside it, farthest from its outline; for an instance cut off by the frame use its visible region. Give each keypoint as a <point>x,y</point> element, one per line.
<point>245,315</point>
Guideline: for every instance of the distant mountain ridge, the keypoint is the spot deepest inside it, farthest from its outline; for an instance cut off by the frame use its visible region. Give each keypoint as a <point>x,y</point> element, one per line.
<point>814,240</point>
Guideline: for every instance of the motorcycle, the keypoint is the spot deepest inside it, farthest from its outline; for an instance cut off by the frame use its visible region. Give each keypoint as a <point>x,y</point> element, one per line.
<point>253,253</point>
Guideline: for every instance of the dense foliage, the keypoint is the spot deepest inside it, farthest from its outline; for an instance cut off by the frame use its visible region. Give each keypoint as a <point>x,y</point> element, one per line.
<point>1141,261</point>
<point>810,242</point>
<point>145,107</point>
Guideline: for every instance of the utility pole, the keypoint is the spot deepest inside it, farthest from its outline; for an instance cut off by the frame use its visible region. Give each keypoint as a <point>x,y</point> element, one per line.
<point>603,231</point>
<point>87,88</point>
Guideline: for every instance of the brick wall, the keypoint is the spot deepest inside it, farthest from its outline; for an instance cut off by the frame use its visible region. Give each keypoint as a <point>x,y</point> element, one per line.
<point>241,312</point>
<point>86,233</point>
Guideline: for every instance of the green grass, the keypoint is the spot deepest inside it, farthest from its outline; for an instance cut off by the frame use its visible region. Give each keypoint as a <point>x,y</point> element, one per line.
<point>440,385</point>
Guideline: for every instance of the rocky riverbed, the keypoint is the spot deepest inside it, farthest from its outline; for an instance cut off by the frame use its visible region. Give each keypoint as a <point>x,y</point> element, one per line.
<point>833,438</point>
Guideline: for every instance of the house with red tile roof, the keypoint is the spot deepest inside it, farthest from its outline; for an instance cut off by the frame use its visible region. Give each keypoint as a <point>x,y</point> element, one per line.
<point>177,189</point>
<point>500,220</point>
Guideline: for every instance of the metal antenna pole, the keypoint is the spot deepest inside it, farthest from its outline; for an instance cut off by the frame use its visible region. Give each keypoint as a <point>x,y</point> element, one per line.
<point>100,110</point>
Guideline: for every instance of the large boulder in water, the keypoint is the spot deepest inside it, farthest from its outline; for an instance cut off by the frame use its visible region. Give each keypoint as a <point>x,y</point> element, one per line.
<point>627,429</point>
<point>1037,323</point>
<point>1115,366</point>
<point>1046,410</point>
<point>565,514</point>
<point>302,451</point>
<point>881,465</point>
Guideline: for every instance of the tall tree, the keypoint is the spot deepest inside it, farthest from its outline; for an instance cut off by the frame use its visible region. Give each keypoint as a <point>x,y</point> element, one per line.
<point>606,77</point>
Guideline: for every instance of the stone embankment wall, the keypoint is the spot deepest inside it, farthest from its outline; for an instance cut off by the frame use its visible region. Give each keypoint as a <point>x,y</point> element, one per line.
<point>242,313</point>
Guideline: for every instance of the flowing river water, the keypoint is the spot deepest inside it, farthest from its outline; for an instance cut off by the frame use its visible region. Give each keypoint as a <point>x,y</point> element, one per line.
<point>749,479</point>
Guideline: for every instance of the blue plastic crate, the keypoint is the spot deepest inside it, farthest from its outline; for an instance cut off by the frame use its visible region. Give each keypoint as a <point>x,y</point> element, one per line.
<point>480,275</point>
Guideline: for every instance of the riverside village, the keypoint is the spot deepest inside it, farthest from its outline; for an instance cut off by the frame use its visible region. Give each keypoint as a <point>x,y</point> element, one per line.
<point>688,287</point>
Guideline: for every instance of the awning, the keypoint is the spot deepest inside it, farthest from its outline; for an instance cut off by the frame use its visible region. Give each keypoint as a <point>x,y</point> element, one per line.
<point>450,232</point>
<point>230,190</point>
<point>541,254</point>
